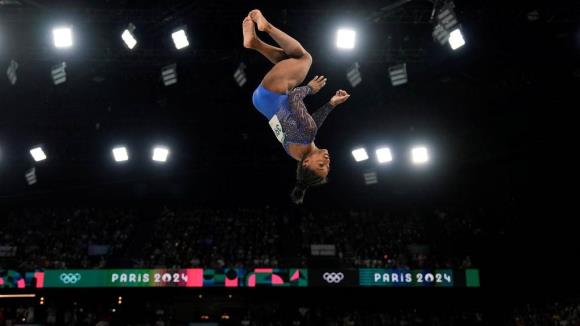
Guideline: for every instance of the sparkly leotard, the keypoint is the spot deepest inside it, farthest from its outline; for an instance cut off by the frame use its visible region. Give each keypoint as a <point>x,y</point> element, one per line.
<point>288,116</point>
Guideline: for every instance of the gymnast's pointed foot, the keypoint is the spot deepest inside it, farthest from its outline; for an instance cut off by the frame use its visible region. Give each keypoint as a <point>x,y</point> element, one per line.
<point>260,20</point>
<point>249,30</point>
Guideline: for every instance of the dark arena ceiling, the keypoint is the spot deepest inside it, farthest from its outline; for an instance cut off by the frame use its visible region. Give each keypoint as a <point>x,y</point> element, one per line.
<point>474,107</point>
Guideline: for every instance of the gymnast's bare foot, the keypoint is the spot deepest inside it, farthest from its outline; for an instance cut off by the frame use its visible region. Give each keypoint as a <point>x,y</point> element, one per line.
<point>249,30</point>
<point>258,18</point>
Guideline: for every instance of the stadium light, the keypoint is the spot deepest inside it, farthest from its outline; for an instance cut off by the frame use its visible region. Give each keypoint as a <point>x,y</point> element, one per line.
<point>30,176</point>
<point>160,154</point>
<point>240,75</point>
<point>353,75</point>
<point>180,39</point>
<point>128,36</point>
<point>384,155</point>
<point>360,154</point>
<point>398,74</point>
<point>12,296</point>
<point>11,72</point>
<point>456,39</point>
<point>447,28</point>
<point>38,154</point>
<point>120,154</point>
<point>440,34</point>
<point>370,178</point>
<point>58,73</point>
<point>169,74</point>
<point>419,155</point>
<point>345,38</point>
<point>62,37</point>
<point>533,15</point>
<point>446,16</point>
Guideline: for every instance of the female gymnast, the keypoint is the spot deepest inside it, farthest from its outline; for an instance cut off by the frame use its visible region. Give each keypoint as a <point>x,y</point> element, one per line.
<point>280,100</point>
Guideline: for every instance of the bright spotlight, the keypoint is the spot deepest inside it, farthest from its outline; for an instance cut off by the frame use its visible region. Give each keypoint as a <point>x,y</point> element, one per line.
<point>345,39</point>
<point>62,37</point>
<point>38,154</point>
<point>384,155</point>
<point>128,37</point>
<point>419,155</point>
<point>447,27</point>
<point>360,154</point>
<point>160,154</point>
<point>456,39</point>
<point>180,39</point>
<point>120,154</point>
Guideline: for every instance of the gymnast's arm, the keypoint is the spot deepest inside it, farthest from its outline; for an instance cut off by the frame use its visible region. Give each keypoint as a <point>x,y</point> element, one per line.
<point>299,108</point>
<point>299,93</point>
<point>320,115</point>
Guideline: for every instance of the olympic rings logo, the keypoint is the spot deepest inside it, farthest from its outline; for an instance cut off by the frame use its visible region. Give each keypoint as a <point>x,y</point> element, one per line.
<point>70,278</point>
<point>333,277</point>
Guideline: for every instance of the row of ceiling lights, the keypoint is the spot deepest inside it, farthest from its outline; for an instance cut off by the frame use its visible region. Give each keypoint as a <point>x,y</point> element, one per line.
<point>120,154</point>
<point>419,155</point>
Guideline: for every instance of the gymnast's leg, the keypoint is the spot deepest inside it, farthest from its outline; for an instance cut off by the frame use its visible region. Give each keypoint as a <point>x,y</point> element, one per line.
<point>252,41</point>
<point>287,73</point>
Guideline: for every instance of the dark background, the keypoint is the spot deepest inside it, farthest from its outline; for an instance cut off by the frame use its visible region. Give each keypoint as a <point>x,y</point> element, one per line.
<point>488,113</point>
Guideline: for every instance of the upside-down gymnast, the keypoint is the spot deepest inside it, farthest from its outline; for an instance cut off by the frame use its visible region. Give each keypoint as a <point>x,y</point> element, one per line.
<point>280,100</point>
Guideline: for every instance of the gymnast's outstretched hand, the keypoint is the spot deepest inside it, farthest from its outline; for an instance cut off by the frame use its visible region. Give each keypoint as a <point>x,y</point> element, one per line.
<point>317,83</point>
<point>340,97</point>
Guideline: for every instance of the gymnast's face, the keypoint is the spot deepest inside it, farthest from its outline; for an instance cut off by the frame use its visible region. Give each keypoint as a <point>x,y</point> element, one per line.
<point>319,162</point>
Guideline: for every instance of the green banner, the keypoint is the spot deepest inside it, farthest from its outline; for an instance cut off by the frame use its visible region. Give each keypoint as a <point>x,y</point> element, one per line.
<point>239,277</point>
<point>190,277</point>
<point>472,278</point>
<point>405,277</point>
<point>114,278</point>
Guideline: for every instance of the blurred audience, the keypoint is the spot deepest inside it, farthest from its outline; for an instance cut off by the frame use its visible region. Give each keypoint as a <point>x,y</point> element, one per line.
<point>241,237</point>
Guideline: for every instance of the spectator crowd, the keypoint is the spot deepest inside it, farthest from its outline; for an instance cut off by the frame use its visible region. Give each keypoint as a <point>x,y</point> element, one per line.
<point>235,237</point>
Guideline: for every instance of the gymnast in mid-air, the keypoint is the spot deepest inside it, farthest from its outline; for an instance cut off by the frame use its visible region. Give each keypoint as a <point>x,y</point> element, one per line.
<point>280,100</point>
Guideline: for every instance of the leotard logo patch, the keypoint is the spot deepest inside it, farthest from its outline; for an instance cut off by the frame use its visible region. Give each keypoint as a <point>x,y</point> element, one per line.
<point>277,128</point>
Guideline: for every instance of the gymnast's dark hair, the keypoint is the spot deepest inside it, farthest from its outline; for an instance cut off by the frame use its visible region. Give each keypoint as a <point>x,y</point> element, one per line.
<point>305,178</point>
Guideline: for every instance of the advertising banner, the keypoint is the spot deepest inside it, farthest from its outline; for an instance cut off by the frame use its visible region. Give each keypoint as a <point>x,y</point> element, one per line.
<point>239,277</point>
<point>406,277</point>
<point>333,277</point>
